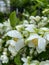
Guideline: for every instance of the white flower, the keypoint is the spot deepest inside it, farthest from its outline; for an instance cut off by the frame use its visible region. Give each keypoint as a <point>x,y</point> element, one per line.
<point>45,10</point>
<point>25,22</point>
<point>12,50</point>
<point>32,22</point>
<point>19,27</point>
<point>4,59</point>
<point>5,51</point>
<point>38,42</point>
<point>37,18</point>
<point>44,62</point>
<point>44,18</point>
<point>26,33</point>
<point>7,25</point>
<point>35,62</point>
<point>41,32</point>
<point>1,25</point>
<point>41,45</point>
<point>14,34</point>
<point>32,36</point>
<point>14,46</point>
<point>46,36</point>
<point>30,28</point>
<point>32,18</point>
<point>26,60</point>
<point>44,29</point>
<point>42,23</point>
<point>47,62</point>
<point>26,15</point>
<point>32,40</point>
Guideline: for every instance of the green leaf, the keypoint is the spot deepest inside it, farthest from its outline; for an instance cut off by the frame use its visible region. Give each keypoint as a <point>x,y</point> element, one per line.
<point>13,19</point>
<point>17,60</point>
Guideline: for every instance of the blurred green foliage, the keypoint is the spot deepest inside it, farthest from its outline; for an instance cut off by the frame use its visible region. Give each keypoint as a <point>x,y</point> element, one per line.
<point>3,16</point>
<point>33,7</point>
<point>13,19</point>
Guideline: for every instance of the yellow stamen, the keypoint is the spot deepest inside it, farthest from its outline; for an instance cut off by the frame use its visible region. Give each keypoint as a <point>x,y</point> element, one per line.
<point>15,39</point>
<point>35,41</point>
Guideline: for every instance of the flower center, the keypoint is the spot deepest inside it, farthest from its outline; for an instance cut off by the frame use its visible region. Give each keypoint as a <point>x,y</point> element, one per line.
<point>35,41</point>
<point>15,39</point>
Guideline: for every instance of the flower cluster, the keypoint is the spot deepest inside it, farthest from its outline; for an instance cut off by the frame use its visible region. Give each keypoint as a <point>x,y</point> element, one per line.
<point>34,62</point>
<point>27,39</point>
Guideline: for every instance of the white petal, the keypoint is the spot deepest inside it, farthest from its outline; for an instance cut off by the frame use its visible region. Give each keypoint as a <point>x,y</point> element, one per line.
<point>46,36</point>
<point>25,22</point>
<point>30,28</point>
<point>19,27</point>
<point>12,50</point>
<point>7,23</point>
<point>14,33</point>
<point>30,44</point>
<point>44,29</point>
<point>1,25</point>
<point>32,18</point>
<point>32,36</point>
<point>37,18</point>
<point>42,63</point>
<point>34,62</point>
<point>14,47</point>
<point>19,44</point>
<point>4,59</point>
<point>25,64</point>
<point>11,42</point>
<point>41,45</point>
<point>24,60</point>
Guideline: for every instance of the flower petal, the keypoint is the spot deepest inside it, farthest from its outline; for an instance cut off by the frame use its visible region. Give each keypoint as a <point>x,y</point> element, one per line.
<point>14,33</point>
